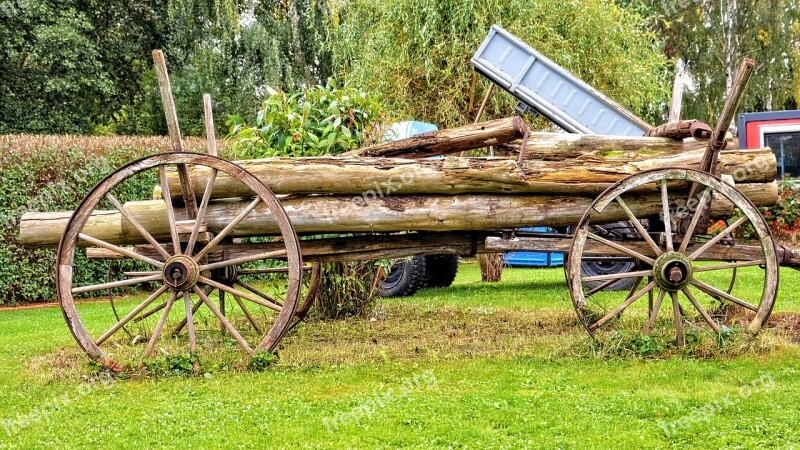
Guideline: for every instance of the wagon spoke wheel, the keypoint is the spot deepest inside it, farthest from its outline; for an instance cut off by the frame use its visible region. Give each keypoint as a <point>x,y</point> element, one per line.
<point>248,285</point>
<point>179,258</point>
<point>685,270</point>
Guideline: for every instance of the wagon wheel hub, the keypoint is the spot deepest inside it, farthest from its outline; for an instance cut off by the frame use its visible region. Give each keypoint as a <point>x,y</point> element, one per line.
<point>672,271</point>
<point>181,272</point>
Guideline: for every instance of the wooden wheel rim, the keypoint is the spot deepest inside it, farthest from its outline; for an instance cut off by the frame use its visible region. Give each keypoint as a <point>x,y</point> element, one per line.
<point>748,209</point>
<point>67,245</point>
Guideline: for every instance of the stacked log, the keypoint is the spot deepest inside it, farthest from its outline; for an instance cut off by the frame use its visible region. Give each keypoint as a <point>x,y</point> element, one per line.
<point>553,186</point>
<point>346,214</point>
<point>452,175</point>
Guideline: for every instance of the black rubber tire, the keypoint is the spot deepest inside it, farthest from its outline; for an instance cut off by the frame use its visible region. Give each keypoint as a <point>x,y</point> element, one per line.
<point>405,278</point>
<point>591,269</point>
<point>440,270</point>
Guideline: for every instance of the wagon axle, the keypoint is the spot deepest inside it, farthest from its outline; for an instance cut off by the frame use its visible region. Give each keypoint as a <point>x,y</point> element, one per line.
<point>181,272</point>
<point>672,271</point>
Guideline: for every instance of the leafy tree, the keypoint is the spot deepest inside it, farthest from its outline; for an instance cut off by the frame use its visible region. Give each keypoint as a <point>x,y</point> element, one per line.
<point>234,50</point>
<point>712,38</point>
<point>417,53</point>
<point>68,65</point>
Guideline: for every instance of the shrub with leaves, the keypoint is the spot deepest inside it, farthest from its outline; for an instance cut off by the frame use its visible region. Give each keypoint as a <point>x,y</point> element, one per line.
<point>316,121</point>
<point>784,216</point>
<point>348,289</point>
<point>51,178</point>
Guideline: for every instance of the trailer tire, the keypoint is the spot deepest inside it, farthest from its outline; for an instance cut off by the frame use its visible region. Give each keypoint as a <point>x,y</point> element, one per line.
<point>405,278</point>
<point>440,270</point>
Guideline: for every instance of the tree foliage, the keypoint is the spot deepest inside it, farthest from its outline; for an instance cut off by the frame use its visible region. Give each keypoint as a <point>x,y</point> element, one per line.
<point>66,65</point>
<point>417,53</point>
<point>713,36</point>
<point>234,50</point>
<point>81,66</point>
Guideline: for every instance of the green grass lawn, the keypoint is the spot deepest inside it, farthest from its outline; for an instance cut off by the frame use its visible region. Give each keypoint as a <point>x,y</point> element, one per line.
<point>472,366</point>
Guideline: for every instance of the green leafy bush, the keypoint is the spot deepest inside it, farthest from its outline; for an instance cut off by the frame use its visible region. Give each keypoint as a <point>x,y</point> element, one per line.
<point>347,289</point>
<point>312,122</point>
<point>50,179</point>
<point>784,216</point>
<point>316,121</point>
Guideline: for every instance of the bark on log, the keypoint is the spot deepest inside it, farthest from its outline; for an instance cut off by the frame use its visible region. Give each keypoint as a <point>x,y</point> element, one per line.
<point>560,146</point>
<point>340,214</point>
<point>373,177</point>
<point>469,137</point>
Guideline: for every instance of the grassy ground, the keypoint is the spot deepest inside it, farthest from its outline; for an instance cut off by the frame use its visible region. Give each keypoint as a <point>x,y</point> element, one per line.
<point>472,366</point>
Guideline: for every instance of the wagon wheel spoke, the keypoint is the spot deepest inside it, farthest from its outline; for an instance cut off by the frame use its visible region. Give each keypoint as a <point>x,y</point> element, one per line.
<point>714,292</point>
<point>160,326</point>
<point>635,286</point>
<point>120,250</point>
<point>617,276</point>
<point>258,292</point>
<point>666,216</point>
<point>132,220</point>
<point>733,265</point>
<point>228,326</point>
<point>651,320</point>
<point>201,213</point>
<point>150,312</point>
<point>195,308</point>
<point>599,288</point>
<point>187,304</point>
<point>269,270</point>
<point>228,228</point>
<point>676,313</point>
<point>717,238</point>
<point>182,324</point>
<point>698,213</point>
<point>141,273</point>
<point>635,221</point>
<point>620,248</point>
<point>247,314</point>
<point>602,321</point>
<point>167,195</point>
<point>244,260</point>
<point>701,310</point>
<point>116,284</point>
<point>244,295</point>
<point>122,322</point>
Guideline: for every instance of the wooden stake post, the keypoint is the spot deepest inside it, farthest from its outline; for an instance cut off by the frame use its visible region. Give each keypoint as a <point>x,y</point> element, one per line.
<point>171,115</point>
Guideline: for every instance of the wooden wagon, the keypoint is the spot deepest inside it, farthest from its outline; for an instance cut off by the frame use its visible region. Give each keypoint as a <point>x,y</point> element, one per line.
<point>216,226</point>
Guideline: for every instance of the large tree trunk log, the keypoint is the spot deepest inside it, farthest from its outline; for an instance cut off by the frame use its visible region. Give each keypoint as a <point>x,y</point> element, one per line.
<point>330,214</point>
<point>560,146</point>
<point>469,137</point>
<point>378,177</point>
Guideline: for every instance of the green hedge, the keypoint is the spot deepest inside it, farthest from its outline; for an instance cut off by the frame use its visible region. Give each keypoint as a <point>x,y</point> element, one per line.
<point>51,179</point>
